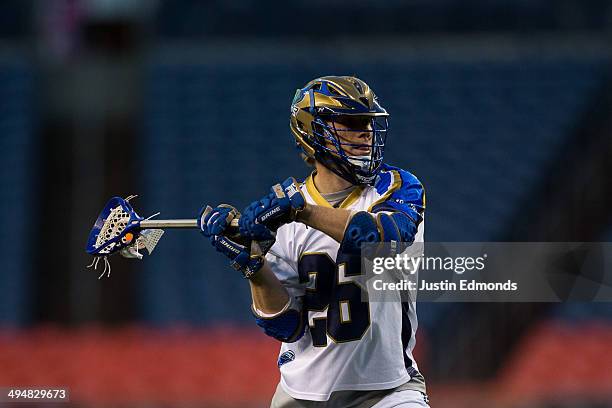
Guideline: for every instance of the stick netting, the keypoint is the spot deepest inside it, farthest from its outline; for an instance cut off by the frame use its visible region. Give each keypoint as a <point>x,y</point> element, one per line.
<point>113,226</point>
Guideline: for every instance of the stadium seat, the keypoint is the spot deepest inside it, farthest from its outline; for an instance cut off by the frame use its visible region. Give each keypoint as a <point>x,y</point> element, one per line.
<point>17,173</point>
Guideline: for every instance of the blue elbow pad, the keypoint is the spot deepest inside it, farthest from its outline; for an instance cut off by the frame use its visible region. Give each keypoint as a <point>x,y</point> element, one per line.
<point>361,229</point>
<point>286,327</point>
<point>398,227</point>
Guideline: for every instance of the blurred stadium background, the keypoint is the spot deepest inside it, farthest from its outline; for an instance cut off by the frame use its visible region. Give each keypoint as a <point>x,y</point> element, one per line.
<point>502,108</point>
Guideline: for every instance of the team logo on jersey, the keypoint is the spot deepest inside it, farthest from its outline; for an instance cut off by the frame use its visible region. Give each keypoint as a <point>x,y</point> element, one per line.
<point>286,357</point>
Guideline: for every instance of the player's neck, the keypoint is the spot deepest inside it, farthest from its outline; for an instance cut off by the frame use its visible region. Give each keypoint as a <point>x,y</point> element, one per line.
<point>326,181</point>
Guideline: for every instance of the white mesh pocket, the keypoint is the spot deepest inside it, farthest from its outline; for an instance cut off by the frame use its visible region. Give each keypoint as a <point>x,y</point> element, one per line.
<point>113,226</point>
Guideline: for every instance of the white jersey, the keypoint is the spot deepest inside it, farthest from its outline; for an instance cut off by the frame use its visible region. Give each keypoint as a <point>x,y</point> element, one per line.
<point>349,344</point>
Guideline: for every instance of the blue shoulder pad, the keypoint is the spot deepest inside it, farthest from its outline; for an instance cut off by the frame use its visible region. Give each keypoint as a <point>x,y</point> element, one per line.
<point>402,192</point>
<point>286,327</point>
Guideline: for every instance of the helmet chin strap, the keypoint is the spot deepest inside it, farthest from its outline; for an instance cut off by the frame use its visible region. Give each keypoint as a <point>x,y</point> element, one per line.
<point>363,161</point>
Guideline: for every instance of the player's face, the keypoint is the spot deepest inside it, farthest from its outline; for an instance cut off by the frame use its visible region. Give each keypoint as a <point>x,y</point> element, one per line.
<point>354,133</point>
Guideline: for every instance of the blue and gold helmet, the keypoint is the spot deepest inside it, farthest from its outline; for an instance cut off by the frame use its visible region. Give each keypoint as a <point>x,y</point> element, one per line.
<point>328,107</point>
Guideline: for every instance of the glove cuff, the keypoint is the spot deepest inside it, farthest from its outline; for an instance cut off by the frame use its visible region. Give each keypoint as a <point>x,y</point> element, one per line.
<point>253,266</point>
<point>296,198</point>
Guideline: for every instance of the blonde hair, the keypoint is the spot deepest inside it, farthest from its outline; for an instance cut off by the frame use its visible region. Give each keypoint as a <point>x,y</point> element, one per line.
<point>308,160</point>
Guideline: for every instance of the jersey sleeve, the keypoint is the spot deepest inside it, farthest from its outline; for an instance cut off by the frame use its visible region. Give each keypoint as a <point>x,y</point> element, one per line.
<point>401,192</point>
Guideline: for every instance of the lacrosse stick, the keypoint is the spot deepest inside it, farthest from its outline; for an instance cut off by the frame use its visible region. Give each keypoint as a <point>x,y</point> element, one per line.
<point>119,229</point>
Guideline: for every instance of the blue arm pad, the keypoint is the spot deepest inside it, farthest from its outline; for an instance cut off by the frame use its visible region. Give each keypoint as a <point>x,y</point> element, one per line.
<point>286,327</point>
<point>364,228</point>
<point>398,227</point>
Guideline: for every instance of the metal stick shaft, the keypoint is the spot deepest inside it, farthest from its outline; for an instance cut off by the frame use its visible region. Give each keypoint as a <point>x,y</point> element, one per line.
<point>186,223</point>
<point>169,224</point>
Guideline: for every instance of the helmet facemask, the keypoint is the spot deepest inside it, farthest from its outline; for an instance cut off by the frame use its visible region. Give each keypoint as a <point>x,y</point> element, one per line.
<point>352,146</point>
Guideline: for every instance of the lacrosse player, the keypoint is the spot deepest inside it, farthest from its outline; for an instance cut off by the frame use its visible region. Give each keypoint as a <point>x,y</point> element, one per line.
<point>299,247</point>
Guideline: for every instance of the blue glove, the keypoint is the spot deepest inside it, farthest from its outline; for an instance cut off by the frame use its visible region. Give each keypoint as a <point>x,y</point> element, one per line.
<point>262,218</point>
<point>213,222</point>
<point>239,255</point>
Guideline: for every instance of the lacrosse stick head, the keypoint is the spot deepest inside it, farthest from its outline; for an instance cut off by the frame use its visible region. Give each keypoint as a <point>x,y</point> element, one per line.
<point>117,226</point>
